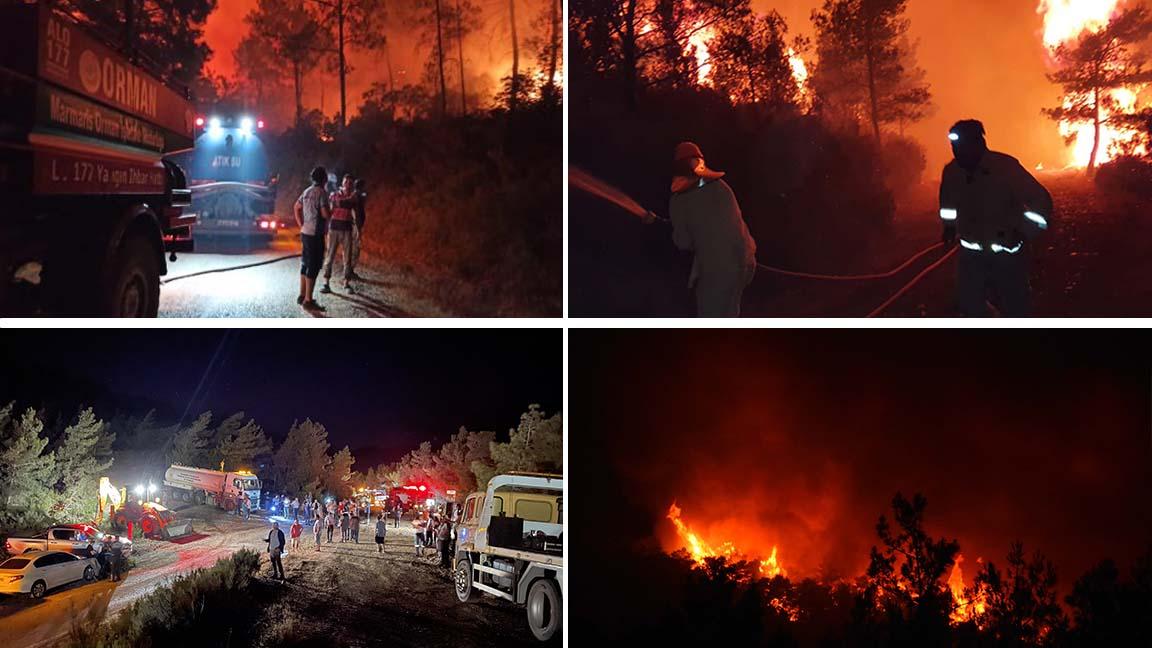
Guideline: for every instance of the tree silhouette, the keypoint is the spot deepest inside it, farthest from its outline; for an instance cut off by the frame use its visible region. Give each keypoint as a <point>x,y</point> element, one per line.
<point>867,67</point>
<point>1110,611</point>
<point>1019,605</point>
<point>907,574</point>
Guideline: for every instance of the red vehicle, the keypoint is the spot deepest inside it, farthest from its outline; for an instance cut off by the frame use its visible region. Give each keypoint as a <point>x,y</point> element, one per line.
<point>90,205</point>
<point>154,520</point>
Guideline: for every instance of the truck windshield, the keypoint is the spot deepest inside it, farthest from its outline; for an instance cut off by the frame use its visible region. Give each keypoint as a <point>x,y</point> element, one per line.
<point>251,484</point>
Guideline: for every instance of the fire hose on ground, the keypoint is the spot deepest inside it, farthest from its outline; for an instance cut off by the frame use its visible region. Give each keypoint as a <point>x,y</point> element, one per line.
<point>596,187</point>
<point>230,268</point>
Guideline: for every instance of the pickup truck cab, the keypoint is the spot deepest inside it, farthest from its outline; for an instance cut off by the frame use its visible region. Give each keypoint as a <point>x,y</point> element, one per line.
<point>71,538</point>
<point>509,544</point>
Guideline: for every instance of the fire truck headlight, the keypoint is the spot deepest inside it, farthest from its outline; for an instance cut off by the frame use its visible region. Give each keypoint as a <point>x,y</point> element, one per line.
<point>246,125</point>
<point>215,127</point>
<point>139,489</point>
<point>151,488</point>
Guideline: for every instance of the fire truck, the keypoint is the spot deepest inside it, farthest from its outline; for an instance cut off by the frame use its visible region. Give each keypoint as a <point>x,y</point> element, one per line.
<point>233,193</point>
<point>90,205</point>
<point>204,486</point>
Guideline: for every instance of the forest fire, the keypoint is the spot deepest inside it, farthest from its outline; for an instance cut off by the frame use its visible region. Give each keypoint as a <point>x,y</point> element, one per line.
<point>700,550</point>
<point>965,610</point>
<point>1066,21</point>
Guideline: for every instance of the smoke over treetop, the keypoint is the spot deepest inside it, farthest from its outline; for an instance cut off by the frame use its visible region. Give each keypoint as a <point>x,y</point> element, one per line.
<point>800,441</point>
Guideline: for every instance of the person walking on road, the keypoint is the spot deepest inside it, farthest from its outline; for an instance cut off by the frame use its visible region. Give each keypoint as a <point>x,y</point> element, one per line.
<point>381,531</point>
<point>329,521</point>
<point>317,528</point>
<point>312,212</point>
<point>296,508</point>
<point>706,220</point>
<point>996,208</point>
<point>275,541</point>
<point>296,530</point>
<point>355,528</point>
<point>340,234</point>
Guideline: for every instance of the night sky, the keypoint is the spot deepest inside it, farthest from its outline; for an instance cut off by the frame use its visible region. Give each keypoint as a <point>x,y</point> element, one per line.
<point>800,439</point>
<point>382,391</point>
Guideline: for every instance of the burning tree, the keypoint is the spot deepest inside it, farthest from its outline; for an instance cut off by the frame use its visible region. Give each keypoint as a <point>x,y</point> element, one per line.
<point>907,575</point>
<point>867,68</point>
<point>752,62</point>
<point>1019,605</point>
<point>1097,73</point>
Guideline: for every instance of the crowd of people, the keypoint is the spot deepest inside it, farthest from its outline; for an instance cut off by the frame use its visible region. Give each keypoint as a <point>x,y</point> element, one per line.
<point>329,222</point>
<point>341,522</point>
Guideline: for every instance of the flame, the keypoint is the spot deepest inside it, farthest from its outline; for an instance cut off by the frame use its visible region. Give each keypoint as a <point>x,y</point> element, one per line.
<point>965,610</point>
<point>800,74</point>
<point>1064,22</point>
<point>700,550</point>
<point>698,47</point>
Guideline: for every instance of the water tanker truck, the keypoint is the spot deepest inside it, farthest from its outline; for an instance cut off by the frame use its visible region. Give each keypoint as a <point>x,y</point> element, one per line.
<point>203,486</point>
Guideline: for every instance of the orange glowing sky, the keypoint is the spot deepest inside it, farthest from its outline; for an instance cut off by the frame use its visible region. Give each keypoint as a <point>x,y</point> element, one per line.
<point>986,60</point>
<point>489,51</point>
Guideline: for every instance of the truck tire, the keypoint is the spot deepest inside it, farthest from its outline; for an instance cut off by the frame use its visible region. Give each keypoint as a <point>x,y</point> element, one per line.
<point>133,288</point>
<point>463,579</point>
<point>544,608</point>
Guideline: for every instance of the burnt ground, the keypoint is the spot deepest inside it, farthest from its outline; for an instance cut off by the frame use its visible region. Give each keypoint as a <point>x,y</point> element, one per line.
<point>349,595</point>
<point>1092,264</point>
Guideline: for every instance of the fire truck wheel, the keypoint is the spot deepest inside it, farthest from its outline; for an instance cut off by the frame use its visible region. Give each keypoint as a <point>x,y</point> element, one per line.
<point>134,286</point>
<point>463,578</point>
<point>544,609</point>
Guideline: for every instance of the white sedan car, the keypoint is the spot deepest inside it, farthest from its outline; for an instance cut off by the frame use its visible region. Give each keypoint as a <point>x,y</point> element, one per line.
<point>37,572</point>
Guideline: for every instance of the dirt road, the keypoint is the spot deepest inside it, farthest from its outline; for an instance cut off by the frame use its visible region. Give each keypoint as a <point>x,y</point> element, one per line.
<point>346,594</point>
<point>349,595</point>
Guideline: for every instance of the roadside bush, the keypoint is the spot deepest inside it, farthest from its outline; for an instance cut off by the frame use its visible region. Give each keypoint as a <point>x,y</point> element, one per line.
<point>207,607</point>
<point>469,210</point>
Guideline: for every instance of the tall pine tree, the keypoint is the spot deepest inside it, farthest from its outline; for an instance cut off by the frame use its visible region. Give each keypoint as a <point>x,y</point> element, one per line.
<point>27,472</point>
<point>83,455</point>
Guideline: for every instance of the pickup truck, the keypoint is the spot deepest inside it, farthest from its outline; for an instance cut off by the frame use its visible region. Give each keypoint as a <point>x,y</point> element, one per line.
<point>509,544</point>
<point>71,538</point>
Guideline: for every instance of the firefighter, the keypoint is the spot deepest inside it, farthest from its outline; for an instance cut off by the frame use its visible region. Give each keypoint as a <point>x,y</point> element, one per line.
<point>995,207</point>
<point>706,220</point>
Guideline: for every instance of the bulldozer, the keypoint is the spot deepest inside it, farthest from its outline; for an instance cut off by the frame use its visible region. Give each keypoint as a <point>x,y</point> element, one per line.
<point>155,520</point>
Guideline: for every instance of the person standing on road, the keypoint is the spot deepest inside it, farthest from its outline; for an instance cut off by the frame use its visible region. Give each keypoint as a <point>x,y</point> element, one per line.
<point>312,212</point>
<point>443,538</point>
<point>296,530</point>
<point>275,541</point>
<point>359,197</point>
<point>996,208</point>
<point>329,522</point>
<point>117,559</point>
<point>340,234</point>
<point>381,531</point>
<point>354,530</point>
<point>317,527</point>
<point>398,511</point>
